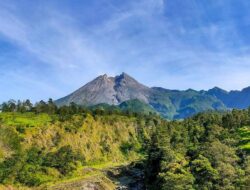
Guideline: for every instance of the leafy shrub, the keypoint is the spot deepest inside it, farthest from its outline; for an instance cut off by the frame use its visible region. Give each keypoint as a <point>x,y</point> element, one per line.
<point>65,160</point>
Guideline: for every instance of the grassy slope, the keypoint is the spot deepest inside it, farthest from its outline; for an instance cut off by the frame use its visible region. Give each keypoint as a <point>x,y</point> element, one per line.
<point>25,120</point>
<point>94,173</point>
<point>88,135</point>
<point>99,139</point>
<point>245,138</point>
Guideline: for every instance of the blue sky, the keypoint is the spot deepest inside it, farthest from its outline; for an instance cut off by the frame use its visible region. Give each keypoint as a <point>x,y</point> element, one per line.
<point>48,48</point>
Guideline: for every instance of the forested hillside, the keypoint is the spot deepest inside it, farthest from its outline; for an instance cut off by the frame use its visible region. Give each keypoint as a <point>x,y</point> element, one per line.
<point>42,146</point>
<point>207,151</point>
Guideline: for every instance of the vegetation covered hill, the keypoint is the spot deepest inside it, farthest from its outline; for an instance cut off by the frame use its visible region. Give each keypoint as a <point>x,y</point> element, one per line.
<point>135,106</point>
<point>49,147</point>
<point>37,149</point>
<point>175,104</point>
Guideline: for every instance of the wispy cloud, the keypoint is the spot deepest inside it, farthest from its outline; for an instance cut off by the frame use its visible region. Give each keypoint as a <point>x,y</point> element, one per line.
<point>174,44</point>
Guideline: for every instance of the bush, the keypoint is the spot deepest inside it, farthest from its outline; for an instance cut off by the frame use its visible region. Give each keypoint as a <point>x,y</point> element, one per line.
<point>65,160</point>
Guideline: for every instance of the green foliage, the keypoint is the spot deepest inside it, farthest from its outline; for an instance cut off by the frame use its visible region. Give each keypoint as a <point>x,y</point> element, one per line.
<point>127,147</point>
<point>36,148</point>
<point>64,160</point>
<point>33,175</point>
<point>27,168</point>
<point>175,104</point>
<point>137,107</point>
<point>21,121</point>
<point>204,173</point>
<point>207,151</point>
<point>244,133</point>
<point>9,142</point>
<point>176,178</point>
<point>46,144</point>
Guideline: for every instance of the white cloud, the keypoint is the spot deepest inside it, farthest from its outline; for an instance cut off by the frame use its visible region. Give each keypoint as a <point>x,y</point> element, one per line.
<point>139,40</point>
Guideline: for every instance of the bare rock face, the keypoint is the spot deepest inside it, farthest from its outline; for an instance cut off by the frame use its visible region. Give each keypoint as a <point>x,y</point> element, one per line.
<point>128,88</point>
<point>109,90</point>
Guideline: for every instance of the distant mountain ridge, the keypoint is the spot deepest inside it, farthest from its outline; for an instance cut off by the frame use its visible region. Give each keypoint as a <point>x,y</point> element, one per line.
<point>233,99</point>
<point>171,104</point>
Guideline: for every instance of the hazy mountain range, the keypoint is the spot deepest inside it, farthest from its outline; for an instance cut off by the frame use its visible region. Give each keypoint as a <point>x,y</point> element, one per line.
<point>127,93</point>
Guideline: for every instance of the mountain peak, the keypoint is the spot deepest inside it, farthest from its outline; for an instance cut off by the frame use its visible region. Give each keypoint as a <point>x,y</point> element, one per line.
<point>126,81</point>
<point>247,89</point>
<point>104,76</point>
<point>216,90</point>
<point>124,76</point>
<point>123,73</point>
<point>110,90</point>
<point>101,80</point>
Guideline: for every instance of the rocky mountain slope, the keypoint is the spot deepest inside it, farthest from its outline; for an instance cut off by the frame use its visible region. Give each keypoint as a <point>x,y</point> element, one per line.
<point>172,104</point>
<point>110,90</point>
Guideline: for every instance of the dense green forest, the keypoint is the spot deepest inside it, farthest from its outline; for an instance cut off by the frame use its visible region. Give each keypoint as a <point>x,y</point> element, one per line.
<point>43,144</point>
<point>207,151</point>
